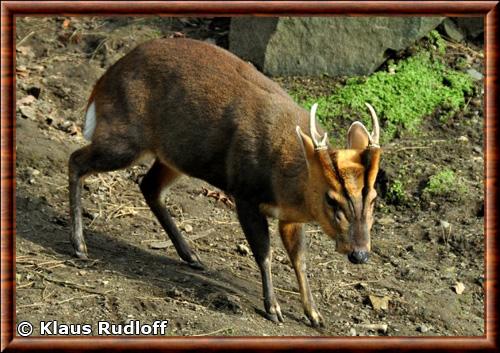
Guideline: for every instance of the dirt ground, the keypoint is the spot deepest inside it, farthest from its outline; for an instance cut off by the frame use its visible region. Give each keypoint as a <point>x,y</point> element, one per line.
<point>424,249</point>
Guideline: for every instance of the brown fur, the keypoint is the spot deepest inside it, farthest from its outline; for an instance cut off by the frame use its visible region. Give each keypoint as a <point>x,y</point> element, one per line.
<point>205,113</point>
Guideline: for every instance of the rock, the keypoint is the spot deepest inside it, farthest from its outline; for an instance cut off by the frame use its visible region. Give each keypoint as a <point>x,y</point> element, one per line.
<point>477,149</point>
<point>175,293</point>
<point>445,225</point>
<point>335,46</point>
<point>379,303</point>
<point>374,327</point>
<point>476,102</point>
<point>463,139</point>
<point>27,100</point>
<point>385,220</point>
<point>422,328</point>
<point>159,245</point>
<point>471,26</point>
<point>352,331</point>
<point>475,75</point>
<point>243,249</point>
<point>188,228</point>
<point>451,29</point>
<point>32,172</point>
<point>25,50</point>
<point>459,287</point>
<point>27,112</point>
<point>279,258</point>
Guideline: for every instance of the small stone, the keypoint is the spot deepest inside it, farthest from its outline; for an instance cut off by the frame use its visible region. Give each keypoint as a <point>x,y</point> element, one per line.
<point>422,328</point>
<point>38,68</point>
<point>159,245</point>
<point>68,126</point>
<point>82,272</point>
<point>385,220</point>
<point>26,51</point>
<point>476,102</point>
<point>188,228</point>
<point>382,328</point>
<point>353,332</point>
<point>104,282</point>
<point>475,75</point>
<point>27,112</point>
<point>32,172</point>
<point>379,303</point>
<point>243,249</point>
<point>477,149</point>
<point>459,287</point>
<point>27,100</point>
<point>445,225</point>
<point>464,139</point>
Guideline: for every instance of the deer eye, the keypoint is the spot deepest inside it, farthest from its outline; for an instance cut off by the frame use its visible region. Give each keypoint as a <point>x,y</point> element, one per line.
<point>330,201</point>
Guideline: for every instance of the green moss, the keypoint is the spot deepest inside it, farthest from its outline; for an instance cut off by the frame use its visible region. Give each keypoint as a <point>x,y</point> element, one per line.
<point>408,91</point>
<point>436,39</point>
<point>444,183</point>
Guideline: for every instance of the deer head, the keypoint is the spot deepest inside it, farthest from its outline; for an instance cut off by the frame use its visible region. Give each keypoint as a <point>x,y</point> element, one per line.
<point>341,190</point>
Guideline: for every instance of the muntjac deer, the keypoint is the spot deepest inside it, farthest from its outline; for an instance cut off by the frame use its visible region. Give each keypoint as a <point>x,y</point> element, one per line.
<point>203,112</point>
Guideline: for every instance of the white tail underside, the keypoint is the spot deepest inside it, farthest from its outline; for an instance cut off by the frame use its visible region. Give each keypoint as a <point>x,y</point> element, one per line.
<point>90,121</point>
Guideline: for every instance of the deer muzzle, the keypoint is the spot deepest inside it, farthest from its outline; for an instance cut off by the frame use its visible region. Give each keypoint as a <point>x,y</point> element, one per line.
<point>358,256</point>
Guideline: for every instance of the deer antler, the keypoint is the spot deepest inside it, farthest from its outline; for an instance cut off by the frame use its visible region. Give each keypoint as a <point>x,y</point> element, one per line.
<point>375,135</point>
<point>318,145</point>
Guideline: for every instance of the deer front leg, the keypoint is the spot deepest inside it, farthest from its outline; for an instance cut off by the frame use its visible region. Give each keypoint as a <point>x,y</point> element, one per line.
<point>292,235</point>
<point>256,231</point>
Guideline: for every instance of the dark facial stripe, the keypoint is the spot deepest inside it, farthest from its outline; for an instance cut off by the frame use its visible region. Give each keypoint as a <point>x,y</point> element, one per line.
<point>342,184</point>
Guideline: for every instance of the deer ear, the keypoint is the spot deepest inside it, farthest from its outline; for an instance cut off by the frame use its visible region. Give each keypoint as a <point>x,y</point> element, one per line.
<point>306,143</point>
<point>357,136</point>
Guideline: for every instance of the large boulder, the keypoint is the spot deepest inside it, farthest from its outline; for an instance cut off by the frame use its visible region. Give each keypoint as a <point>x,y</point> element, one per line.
<point>335,46</point>
<point>460,28</point>
<point>472,26</point>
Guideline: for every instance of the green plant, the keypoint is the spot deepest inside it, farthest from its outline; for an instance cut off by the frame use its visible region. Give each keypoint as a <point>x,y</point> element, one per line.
<point>436,39</point>
<point>443,183</point>
<point>410,90</point>
<point>396,193</point>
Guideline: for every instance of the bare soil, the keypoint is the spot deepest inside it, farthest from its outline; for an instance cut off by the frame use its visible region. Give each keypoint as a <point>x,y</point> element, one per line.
<point>134,272</point>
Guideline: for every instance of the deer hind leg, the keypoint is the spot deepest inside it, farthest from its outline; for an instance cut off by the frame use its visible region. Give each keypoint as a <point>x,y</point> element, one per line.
<point>94,158</point>
<point>256,231</point>
<point>292,235</point>
<point>158,178</point>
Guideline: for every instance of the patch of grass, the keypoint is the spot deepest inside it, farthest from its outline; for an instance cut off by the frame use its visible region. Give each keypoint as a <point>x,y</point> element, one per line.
<point>408,91</point>
<point>396,193</point>
<point>445,182</point>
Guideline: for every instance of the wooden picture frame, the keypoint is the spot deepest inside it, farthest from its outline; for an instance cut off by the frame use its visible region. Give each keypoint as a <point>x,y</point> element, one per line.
<point>11,9</point>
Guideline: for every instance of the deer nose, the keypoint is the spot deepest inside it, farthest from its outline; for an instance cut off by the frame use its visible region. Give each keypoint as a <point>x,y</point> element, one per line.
<point>358,257</point>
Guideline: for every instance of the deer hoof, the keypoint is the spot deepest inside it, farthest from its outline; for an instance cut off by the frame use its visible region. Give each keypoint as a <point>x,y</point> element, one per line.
<point>316,319</point>
<point>274,314</point>
<point>81,255</point>
<point>197,265</point>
